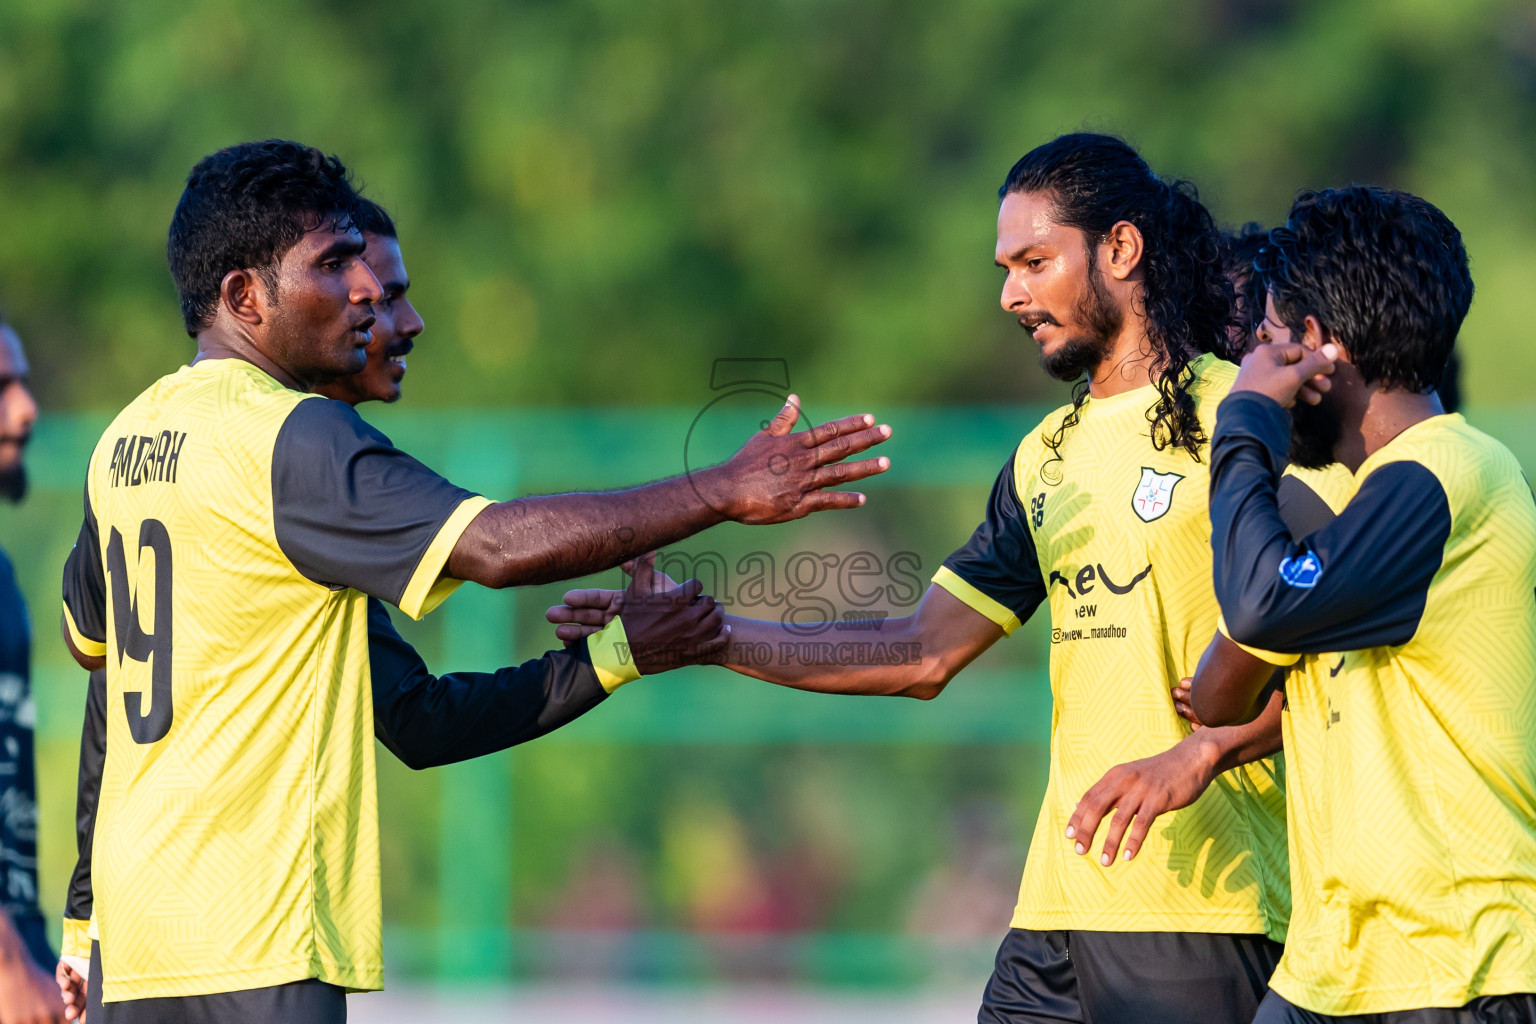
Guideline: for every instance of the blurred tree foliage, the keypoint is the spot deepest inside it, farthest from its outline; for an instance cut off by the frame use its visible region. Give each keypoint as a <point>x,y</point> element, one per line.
<point>599,197</point>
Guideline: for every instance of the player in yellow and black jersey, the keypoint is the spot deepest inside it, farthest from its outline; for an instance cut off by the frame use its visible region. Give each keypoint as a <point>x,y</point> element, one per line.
<point>235,526</point>
<point>1100,513</point>
<point>422,718</point>
<point>1410,618</point>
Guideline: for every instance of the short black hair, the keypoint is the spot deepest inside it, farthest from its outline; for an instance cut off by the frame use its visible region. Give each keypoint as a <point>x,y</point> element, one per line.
<point>372,219</point>
<point>242,209</point>
<point>1384,271</point>
<point>1241,249</point>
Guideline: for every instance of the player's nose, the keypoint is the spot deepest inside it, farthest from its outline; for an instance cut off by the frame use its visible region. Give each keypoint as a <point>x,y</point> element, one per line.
<point>408,324</point>
<point>364,286</point>
<point>1015,298</point>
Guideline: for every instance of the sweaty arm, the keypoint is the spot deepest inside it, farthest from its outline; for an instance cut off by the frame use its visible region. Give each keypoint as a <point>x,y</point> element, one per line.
<point>981,594</point>
<point>351,509</point>
<point>1359,581</point>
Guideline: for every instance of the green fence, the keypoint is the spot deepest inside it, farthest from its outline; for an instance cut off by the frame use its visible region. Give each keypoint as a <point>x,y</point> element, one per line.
<point>489,865</point>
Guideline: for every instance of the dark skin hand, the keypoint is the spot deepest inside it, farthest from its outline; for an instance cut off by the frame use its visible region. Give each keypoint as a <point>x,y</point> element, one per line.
<point>947,633</point>
<point>668,624</point>
<point>776,477</point>
<point>1139,791</point>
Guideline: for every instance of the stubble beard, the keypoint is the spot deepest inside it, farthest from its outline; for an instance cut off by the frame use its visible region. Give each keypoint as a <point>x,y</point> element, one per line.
<point>1100,320</point>
<point>1315,431</point>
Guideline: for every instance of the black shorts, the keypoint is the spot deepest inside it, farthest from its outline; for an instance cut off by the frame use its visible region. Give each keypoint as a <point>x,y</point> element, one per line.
<point>298,1002</point>
<point>1128,978</point>
<point>1515,1009</point>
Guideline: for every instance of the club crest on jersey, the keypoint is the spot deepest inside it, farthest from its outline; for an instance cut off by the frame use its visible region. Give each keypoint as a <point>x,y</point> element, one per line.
<point>1302,573</point>
<point>1154,494</point>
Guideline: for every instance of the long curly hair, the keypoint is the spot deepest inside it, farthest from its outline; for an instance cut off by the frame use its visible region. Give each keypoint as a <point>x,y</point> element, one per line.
<point>1096,181</point>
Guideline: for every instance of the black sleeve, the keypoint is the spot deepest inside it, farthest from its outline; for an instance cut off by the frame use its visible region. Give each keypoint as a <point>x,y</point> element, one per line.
<point>1302,509</point>
<point>349,508</point>
<point>85,581</point>
<point>93,754</point>
<point>1000,560</point>
<point>1359,581</point>
<point>428,720</point>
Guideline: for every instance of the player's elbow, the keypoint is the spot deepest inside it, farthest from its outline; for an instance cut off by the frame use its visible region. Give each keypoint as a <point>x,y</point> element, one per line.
<point>89,662</point>
<point>929,679</point>
<point>1215,710</point>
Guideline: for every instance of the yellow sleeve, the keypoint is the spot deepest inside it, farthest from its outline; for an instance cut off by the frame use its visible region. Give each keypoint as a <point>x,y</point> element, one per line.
<point>611,660</point>
<point>428,587</point>
<point>76,940</point>
<point>84,644</point>
<point>1282,660</point>
<point>976,600</point>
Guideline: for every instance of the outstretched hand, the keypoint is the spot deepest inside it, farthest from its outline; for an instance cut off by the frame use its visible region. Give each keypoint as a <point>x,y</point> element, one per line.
<point>1138,792</point>
<point>1288,372</point>
<point>778,476</point>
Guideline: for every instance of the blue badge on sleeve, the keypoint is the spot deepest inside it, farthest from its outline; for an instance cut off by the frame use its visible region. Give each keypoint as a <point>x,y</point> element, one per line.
<point>1302,573</point>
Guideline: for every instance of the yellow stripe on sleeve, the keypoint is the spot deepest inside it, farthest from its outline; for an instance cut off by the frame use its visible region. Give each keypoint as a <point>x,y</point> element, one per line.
<point>76,940</point>
<point>84,644</point>
<point>611,657</point>
<point>1281,660</point>
<point>428,587</point>
<point>976,600</point>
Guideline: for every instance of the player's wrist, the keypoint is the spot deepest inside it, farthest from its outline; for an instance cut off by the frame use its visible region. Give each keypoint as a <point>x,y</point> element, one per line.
<point>1208,750</point>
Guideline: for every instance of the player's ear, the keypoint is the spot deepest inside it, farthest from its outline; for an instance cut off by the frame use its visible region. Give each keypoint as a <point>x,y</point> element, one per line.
<point>1315,336</point>
<point>244,295</point>
<point>1125,249</point>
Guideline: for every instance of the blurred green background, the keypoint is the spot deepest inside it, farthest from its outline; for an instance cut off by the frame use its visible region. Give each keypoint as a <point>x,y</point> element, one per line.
<point>597,200</point>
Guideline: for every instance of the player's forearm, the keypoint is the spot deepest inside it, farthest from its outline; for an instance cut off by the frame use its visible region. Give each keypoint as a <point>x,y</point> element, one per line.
<point>560,536</point>
<point>1229,686</point>
<point>428,720</point>
<point>1233,745</point>
<point>892,662</point>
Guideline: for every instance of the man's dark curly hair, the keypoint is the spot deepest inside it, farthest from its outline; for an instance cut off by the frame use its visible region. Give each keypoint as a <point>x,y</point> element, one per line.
<point>242,209</point>
<point>1383,271</point>
<point>1241,249</point>
<point>1096,181</point>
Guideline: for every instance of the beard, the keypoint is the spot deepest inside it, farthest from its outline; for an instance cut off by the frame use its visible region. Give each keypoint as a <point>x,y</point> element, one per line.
<point>1100,321</point>
<point>1315,430</point>
<point>13,483</point>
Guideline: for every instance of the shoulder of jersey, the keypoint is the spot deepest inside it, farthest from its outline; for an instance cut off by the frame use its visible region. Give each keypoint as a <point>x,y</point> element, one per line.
<point>1463,457</point>
<point>247,385</point>
<point>1215,378</point>
<point>1032,450</point>
<point>1334,483</point>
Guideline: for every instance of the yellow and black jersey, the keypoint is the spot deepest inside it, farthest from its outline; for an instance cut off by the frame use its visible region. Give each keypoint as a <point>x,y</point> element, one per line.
<point>423,719</point>
<point>232,530</point>
<point>1114,533</point>
<point>1410,724</point>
